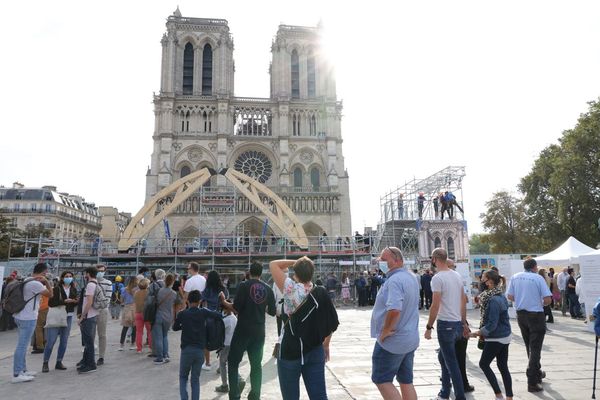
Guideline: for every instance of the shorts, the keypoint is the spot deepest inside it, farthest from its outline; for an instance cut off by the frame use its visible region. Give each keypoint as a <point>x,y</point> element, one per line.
<point>386,365</point>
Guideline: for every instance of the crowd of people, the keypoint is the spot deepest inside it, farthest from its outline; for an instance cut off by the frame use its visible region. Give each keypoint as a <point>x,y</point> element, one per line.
<point>199,305</point>
<point>394,324</point>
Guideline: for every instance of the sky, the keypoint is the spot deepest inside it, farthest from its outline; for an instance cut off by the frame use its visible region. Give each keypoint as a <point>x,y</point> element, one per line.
<point>425,85</point>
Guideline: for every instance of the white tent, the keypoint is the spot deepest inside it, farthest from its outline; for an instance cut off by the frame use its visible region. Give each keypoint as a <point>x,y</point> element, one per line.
<point>566,254</point>
<point>591,253</point>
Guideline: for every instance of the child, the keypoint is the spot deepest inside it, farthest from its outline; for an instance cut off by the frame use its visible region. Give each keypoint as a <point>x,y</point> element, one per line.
<point>192,324</point>
<point>230,322</point>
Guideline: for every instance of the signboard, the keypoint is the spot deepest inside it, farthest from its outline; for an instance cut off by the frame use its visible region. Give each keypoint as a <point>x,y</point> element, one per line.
<point>463,271</point>
<point>589,267</point>
<point>360,262</point>
<point>508,268</point>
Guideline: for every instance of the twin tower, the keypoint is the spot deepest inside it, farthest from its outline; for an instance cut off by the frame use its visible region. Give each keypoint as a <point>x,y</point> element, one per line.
<point>290,141</point>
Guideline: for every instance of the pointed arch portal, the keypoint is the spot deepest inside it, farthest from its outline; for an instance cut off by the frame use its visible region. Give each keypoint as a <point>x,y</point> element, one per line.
<point>166,201</point>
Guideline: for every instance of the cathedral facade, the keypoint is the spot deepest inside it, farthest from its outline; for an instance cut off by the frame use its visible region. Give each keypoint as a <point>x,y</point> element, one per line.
<point>290,141</point>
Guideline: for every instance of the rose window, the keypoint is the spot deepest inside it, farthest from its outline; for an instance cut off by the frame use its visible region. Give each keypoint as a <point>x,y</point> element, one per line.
<point>255,164</point>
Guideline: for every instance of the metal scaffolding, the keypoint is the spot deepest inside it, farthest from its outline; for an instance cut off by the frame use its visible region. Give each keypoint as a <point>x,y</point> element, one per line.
<point>416,200</point>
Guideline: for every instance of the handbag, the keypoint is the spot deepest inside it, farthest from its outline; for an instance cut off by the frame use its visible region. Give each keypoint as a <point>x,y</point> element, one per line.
<point>57,317</point>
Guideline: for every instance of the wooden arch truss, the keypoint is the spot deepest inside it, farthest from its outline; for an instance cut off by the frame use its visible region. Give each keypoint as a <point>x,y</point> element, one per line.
<point>165,202</point>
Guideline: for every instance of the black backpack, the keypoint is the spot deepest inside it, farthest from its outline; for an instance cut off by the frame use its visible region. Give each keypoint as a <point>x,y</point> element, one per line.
<point>151,303</point>
<point>215,333</point>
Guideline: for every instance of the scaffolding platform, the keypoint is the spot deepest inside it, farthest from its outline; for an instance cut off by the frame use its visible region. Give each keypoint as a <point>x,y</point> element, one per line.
<point>405,210</point>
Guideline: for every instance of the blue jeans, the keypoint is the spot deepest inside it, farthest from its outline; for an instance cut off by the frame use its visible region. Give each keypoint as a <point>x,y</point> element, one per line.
<point>386,365</point>
<point>25,331</point>
<point>449,332</point>
<point>88,333</point>
<point>52,335</point>
<point>191,359</point>
<point>160,338</point>
<point>313,374</point>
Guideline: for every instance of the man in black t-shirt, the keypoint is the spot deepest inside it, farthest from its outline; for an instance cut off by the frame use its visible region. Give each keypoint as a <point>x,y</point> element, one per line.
<point>574,307</point>
<point>252,300</point>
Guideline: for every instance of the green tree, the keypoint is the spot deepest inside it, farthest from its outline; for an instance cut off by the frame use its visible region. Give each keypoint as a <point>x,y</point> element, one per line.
<point>562,191</point>
<point>505,220</point>
<point>6,231</point>
<point>479,244</point>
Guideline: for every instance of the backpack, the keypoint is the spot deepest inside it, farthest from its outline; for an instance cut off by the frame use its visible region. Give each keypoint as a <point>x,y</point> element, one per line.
<point>100,301</point>
<point>151,303</point>
<point>215,333</point>
<point>14,301</point>
<point>115,297</point>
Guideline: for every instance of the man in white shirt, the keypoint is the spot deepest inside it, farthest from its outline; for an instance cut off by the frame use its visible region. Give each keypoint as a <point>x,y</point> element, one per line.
<point>87,322</point>
<point>195,281</point>
<point>26,319</point>
<point>449,307</point>
<point>561,281</point>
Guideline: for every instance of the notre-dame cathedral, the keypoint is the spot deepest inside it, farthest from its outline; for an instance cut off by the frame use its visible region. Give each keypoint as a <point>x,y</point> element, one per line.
<point>291,141</point>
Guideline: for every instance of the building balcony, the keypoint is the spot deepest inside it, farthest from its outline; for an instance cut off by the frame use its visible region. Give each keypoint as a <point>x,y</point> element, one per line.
<point>61,214</point>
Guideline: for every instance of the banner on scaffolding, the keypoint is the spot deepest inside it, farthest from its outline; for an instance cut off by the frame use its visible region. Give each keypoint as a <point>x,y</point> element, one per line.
<point>360,262</point>
<point>265,226</point>
<point>167,229</point>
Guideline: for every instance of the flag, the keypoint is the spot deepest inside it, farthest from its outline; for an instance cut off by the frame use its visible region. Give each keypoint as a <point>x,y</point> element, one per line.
<point>265,226</point>
<point>167,230</point>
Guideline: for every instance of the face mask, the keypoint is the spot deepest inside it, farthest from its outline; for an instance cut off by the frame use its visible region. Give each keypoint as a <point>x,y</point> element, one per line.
<point>383,266</point>
<point>68,281</point>
<point>100,275</point>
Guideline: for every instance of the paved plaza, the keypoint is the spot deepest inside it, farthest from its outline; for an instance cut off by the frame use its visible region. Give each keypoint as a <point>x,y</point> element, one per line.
<point>567,357</point>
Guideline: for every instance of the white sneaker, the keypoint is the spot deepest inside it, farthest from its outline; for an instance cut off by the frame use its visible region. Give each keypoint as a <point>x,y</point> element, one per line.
<point>29,373</point>
<point>206,367</point>
<point>132,348</point>
<point>22,378</point>
<point>121,348</point>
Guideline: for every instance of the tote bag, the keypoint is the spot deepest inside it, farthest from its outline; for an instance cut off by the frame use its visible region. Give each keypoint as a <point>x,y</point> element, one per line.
<point>57,317</point>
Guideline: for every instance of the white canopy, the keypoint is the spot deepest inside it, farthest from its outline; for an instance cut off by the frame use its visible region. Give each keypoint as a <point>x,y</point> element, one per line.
<point>566,254</point>
<point>592,253</point>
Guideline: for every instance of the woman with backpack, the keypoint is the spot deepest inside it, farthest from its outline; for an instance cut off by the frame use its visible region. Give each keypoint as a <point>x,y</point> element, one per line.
<point>213,298</point>
<point>495,332</point>
<point>306,335</point>
<point>128,315</point>
<point>64,297</point>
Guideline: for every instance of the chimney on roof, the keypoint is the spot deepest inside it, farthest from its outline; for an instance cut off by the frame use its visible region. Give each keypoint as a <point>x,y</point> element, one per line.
<point>48,187</point>
<point>18,185</point>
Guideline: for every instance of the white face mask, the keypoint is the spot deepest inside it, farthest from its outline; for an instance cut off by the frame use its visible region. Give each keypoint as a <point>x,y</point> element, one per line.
<point>383,266</point>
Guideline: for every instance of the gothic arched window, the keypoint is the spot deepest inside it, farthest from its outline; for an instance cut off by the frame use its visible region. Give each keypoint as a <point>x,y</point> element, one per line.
<point>315,178</point>
<point>437,243</point>
<point>313,126</point>
<point>188,69</point>
<point>295,75</point>
<point>185,170</point>
<point>297,177</point>
<point>450,248</point>
<point>310,75</point>
<point>207,70</point>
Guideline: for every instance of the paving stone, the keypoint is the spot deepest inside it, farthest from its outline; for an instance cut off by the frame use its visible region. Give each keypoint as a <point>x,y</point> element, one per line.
<point>567,358</point>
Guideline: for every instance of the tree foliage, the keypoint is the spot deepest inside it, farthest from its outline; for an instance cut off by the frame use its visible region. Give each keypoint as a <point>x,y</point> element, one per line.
<point>505,220</point>
<point>562,191</point>
<point>479,244</point>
